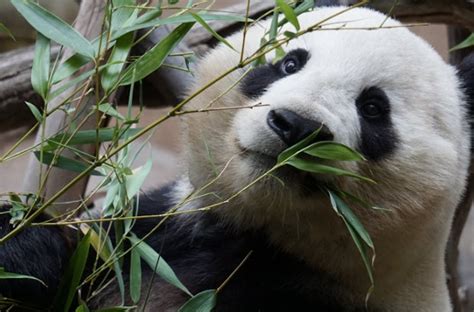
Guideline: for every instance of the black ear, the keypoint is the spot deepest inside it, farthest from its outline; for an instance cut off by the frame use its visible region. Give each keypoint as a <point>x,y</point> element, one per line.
<point>326,3</point>
<point>466,74</point>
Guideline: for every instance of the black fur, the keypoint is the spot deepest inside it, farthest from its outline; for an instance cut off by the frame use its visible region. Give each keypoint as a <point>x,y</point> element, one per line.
<point>203,252</point>
<point>41,252</point>
<point>378,137</point>
<point>260,78</point>
<point>466,74</point>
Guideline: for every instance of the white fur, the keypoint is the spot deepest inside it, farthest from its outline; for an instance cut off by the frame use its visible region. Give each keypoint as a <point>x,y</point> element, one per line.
<point>421,182</point>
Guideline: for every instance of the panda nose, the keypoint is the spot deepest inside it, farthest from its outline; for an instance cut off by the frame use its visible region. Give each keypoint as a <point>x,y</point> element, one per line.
<point>292,128</point>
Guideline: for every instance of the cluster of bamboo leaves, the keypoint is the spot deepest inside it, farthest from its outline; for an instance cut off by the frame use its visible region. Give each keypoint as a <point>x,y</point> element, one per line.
<point>120,177</point>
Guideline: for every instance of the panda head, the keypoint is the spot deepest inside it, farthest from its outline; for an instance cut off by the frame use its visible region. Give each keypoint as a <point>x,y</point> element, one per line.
<point>368,83</point>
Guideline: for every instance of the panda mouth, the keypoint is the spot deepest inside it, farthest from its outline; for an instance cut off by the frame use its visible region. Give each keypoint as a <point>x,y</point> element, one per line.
<point>308,183</point>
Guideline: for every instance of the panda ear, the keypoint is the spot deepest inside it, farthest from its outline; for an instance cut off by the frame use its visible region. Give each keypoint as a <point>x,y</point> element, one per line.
<point>466,75</point>
<point>326,3</point>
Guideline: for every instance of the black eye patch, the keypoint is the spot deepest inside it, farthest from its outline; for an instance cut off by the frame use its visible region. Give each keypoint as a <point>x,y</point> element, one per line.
<point>378,137</point>
<point>258,80</point>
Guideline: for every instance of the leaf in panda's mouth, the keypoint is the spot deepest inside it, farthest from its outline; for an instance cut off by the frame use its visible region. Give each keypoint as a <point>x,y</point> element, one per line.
<point>306,156</point>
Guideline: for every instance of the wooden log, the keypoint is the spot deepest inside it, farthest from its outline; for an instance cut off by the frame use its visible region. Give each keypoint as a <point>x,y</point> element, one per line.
<point>89,23</point>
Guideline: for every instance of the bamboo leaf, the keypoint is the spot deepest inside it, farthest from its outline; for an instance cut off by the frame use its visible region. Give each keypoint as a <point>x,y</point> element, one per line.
<point>53,27</point>
<point>40,69</point>
<point>64,162</point>
<point>211,31</point>
<point>72,277</point>
<point>355,230</point>
<point>333,151</point>
<point>116,61</point>
<point>289,13</point>
<point>134,182</point>
<point>35,111</point>
<point>311,166</point>
<point>87,137</point>
<point>69,67</point>
<point>7,31</point>
<point>108,109</point>
<point>204,301</point>
<point>135,276</point>
<point>469,42</point>
<point>152,60</point>
<point>9,275</point>
<point>157,263</point>
<point>297,148</point>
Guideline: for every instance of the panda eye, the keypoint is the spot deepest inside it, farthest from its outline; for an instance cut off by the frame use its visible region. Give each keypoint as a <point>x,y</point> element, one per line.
<point>371,110</point>
<point>290,65</point>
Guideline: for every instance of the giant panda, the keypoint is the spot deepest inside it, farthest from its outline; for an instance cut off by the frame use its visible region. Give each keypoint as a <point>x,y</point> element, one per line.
<point>382,91</point>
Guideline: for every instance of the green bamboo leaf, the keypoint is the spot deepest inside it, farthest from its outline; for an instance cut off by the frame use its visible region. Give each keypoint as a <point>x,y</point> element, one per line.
<point>72,276</point>
<point>135,276</point>
<point>53,27</point>
<point>35,111</point>
<point>116,61</point>
<point>274,25</point>
<point>69,67</point>
<point>204,301</point>
<point>356,237</point>
<point>304,6</point>
<point>7,31</point>
<point>134,182</point>
<point>87,137</point>
<point>290,15</point>
<point>333,151</point>
<point>211,31</point>
<point>82,308</point>
<point>149,20</point>
<point>311,166</point>
<point>469,42</point>
<point>9,275</point>
<point>297,148</point>
<point>157,263</point>
<point>152,60</point>
<point>123,10</point>
<point>108,109</point>
<point>351,218</point>
<point>71,83</point>
<point>64,162</point>
<point>40,69</point>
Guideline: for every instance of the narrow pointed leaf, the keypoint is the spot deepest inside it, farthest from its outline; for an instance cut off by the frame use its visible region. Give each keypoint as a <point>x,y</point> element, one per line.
<point>35,111</point>
<point>9,275</point>
<point>72,277</point>
<point>469,42</point>
<point>211,31</point>
<point>134,182</point>
<point>64,162</point>
<point>152,60</point>
<point>157,263</point>
<point>108,109</point>
<point>53,27</point>
<point>40,69</point>
<point>333,151</point>
<point>135,276</point>
<point>87,137</point>
<point>204,301</point>
<point>298,147</point>
<point>7,31</point>
<point>289,13</point>
<point>69,67</point>
<point>311,166</point>
<point>351,218</point>
<point>116,61</point>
